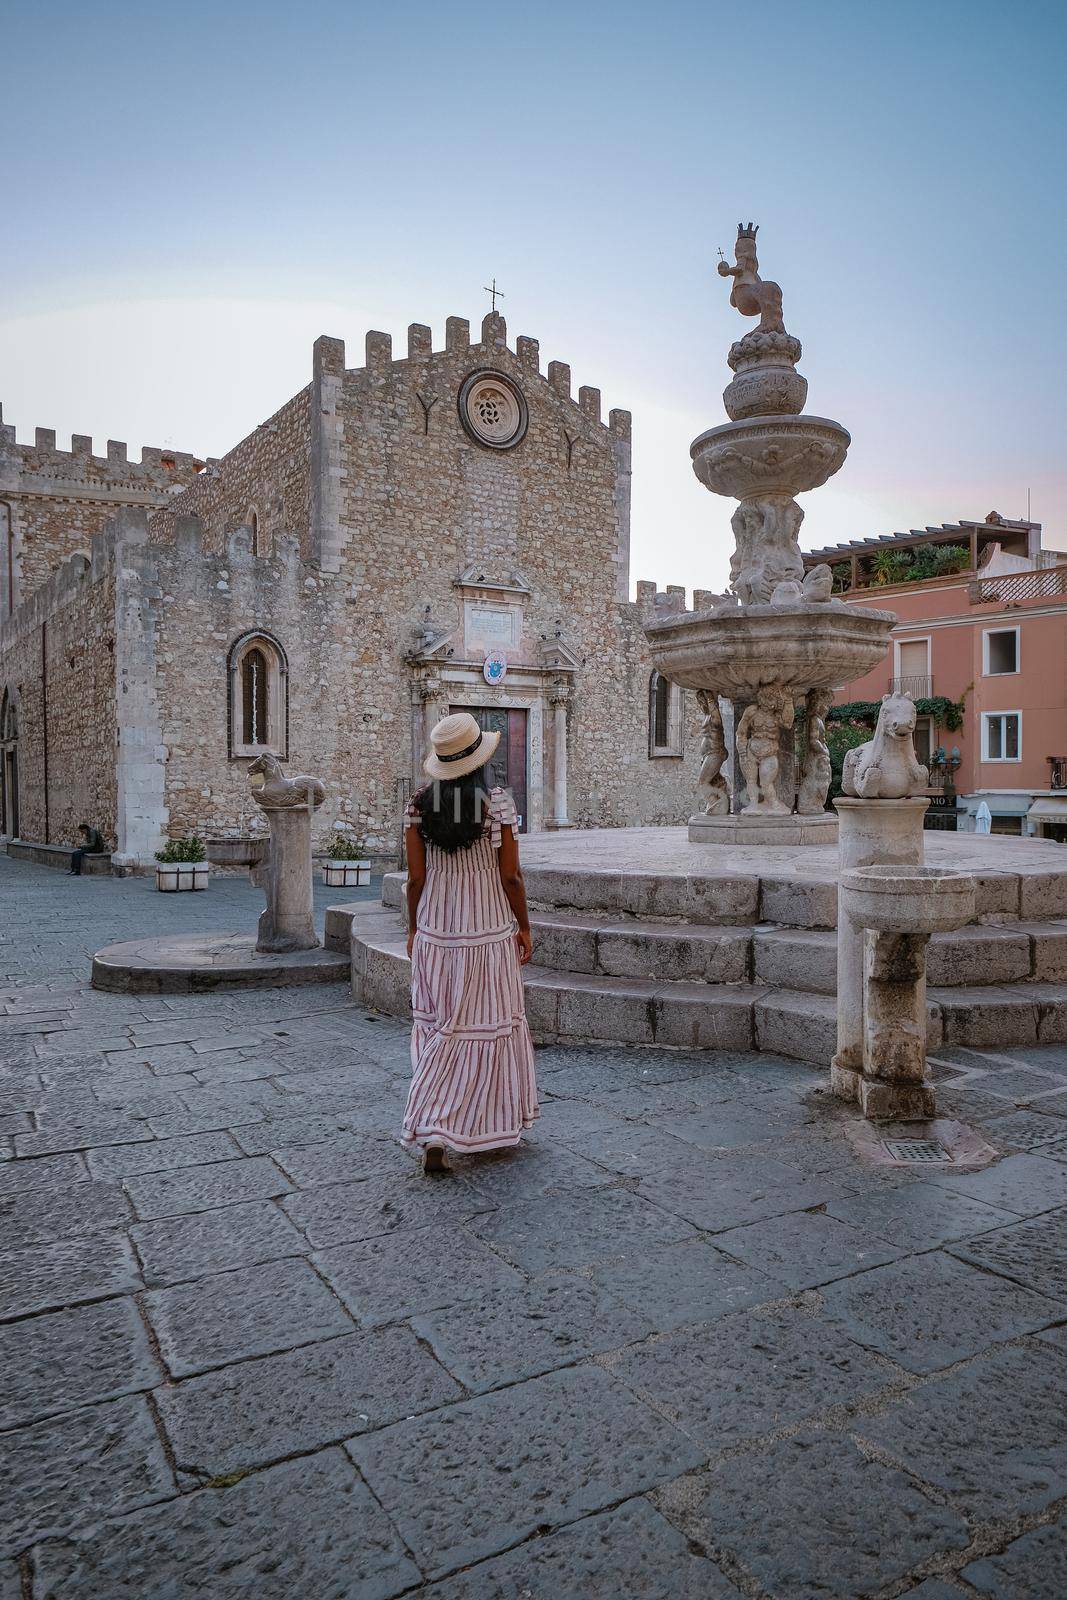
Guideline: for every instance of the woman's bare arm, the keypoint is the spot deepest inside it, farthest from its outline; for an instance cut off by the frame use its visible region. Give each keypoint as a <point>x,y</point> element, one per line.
<point>514,887</point>
<point>416,854</point>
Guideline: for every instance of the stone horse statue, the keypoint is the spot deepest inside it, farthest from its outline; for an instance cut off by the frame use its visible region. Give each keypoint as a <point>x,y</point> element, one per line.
<point>750,295</point>
<point>272,789</point>
<point>886,767</point>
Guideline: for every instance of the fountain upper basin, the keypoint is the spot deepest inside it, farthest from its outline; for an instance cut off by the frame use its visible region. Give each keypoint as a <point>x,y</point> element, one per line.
<point>734,652</point>
<point>769,455</point>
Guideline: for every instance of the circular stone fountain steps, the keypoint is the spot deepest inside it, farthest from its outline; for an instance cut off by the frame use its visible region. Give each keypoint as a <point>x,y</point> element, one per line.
<point>763,988</point>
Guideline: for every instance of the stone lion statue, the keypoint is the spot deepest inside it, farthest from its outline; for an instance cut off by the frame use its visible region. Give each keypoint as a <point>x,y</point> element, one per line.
<point>886,767</point>
<point>271,788</point>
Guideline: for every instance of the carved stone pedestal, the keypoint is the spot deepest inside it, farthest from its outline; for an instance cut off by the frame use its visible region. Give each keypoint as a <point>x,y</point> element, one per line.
<point>887,914</point>
<point>871,833</point>
<point>288,920</point>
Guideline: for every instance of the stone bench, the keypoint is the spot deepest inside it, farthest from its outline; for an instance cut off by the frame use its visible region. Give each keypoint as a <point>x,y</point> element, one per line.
<point>58,855</point>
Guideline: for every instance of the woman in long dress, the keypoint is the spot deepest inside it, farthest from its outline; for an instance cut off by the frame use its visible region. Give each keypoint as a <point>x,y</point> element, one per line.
<point>472,1085</point>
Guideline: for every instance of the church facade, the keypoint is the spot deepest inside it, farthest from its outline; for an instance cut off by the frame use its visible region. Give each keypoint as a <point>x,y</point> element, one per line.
<point>444,529</point>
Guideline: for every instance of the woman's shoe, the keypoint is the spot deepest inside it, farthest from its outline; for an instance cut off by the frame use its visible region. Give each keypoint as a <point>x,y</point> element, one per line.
<point>433,1161</point>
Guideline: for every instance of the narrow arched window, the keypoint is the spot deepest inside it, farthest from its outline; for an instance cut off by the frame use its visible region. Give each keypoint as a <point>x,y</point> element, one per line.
<point>254,698</point>
<point>664,717</point>
<point>259,696</point>
<point>253,523</point>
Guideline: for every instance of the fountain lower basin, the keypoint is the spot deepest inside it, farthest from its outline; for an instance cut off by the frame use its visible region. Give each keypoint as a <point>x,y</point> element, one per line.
<point>736,651</point>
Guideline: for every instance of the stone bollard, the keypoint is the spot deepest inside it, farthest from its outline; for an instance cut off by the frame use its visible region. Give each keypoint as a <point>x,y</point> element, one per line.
<point>886,917</point>
<point>288,921</point>
<point>870,833</point>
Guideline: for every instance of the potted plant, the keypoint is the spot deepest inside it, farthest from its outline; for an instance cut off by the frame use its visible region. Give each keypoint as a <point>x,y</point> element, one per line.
<point>346,865</point>
<point>182,864</point>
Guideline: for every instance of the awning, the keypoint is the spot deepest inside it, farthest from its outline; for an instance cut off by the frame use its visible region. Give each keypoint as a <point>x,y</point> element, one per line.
<point>1048,809</point>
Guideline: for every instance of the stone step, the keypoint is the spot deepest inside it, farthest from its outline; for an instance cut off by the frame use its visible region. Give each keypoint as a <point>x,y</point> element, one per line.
<point>780,957</point>
<point>567,1005</point>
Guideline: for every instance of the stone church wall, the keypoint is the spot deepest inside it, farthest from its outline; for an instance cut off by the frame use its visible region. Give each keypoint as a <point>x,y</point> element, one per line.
<point>57,656</point>
<point>56,500</point>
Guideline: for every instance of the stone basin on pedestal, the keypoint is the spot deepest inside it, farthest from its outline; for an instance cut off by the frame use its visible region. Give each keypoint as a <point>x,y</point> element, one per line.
<point>919,900</point>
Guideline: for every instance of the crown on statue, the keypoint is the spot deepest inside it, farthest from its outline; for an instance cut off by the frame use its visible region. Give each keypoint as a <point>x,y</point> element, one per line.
<point>747,230</point>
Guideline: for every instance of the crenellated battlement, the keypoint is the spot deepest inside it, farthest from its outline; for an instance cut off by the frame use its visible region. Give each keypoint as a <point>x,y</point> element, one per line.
<point>45,456</point>
<point>671,600</point>
<point>380,359</point>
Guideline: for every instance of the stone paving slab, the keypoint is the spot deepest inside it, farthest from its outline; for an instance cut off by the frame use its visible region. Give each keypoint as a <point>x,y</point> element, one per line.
<point>811,1516</point>
<point>382,1280</point>
<point>50,1473</point>
<point>226,1544</point>
<point>501,1338</point>
<point>630,1552</point>
<point>342,1160</point>
<point>805,1249</point>
<point>42,1172</point>
<point>502,1465</point>
<point>997,1463</point>
<point>1032,1253</point>
<point>54,1363</point>
<point>177,1193</point>
<point>161,1155</point>
<point>54,1212</point>
<point>248,1312</point>
<point>177,1249</point>
<point>1033,1567</point>
<point>585,1225</point>
<point>43,1277</point>
<point>342,1213</point>
<point>1026,1184</point>
<point>920,1216</point>
<point>686,1282</point>
<point>928,1311</point>
<point>749,1374</point>
<point>725,1192</point>
<point>260,1411</point>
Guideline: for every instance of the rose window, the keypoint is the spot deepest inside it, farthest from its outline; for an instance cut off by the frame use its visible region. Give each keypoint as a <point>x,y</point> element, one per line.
<point>492,410</point>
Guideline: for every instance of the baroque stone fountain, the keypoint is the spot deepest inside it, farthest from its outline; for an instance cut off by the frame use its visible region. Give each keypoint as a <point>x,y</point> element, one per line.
<point>771,652</point>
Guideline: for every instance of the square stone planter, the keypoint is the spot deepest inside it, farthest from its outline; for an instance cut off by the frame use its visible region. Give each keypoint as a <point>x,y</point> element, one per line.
<point>346,874</point>
<point>172,877</point>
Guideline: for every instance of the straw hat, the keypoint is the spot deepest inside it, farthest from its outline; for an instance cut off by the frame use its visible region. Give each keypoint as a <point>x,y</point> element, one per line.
<point>459,746</point>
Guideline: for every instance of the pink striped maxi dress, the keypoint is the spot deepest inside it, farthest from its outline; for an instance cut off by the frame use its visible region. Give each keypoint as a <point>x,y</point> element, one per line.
<point>472,1085</point>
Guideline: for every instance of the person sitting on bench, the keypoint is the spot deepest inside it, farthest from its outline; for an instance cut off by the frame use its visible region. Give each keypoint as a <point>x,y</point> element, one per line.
<point>92,844</point>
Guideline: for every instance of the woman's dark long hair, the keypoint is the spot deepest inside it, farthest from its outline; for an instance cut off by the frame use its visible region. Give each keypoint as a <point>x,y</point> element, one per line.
<point>451,811</point>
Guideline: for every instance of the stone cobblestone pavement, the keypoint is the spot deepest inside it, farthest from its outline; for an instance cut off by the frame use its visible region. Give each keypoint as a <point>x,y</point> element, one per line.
<point>685,1343</point>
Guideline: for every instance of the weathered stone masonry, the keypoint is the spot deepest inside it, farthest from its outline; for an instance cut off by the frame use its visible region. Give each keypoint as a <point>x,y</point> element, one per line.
<point>385,549</point>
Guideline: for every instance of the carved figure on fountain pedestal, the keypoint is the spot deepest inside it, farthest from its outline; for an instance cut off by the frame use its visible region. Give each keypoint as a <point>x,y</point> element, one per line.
<point>886,767</point>
<point>713,788</point>
<point>270,786</point>
<point>750,294</point>
<point>757,742</point>
<point>766,552</point>
<point>815,778</point>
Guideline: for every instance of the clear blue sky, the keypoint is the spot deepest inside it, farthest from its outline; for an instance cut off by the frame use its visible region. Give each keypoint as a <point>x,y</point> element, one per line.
<point>193,192</point>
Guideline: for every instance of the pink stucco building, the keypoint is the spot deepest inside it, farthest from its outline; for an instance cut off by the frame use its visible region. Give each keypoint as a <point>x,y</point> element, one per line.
<point>982,614</point>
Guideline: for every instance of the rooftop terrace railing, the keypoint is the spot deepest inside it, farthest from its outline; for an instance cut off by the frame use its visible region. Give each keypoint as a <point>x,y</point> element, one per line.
<point>1011,588</point>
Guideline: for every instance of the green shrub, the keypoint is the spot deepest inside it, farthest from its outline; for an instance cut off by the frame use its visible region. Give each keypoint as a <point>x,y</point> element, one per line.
<point>342,847</point>
<point>175,850</point>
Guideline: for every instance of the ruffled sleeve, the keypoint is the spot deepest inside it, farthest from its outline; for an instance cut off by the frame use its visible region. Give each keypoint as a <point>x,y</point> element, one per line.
<point>502,814</point>
<point>411,815</point>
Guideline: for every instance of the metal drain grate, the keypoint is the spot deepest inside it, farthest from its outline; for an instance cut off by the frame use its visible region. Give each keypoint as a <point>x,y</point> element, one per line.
<point>925,1150</point>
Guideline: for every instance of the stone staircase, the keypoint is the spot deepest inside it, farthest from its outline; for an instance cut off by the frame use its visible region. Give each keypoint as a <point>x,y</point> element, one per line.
<point>692,963</point>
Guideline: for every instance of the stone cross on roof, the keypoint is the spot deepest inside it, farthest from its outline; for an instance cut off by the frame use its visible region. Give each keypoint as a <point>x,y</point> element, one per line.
<point>497,294</point>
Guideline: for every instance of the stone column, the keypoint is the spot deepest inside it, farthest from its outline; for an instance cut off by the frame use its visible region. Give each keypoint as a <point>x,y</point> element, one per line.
<point>894,1026</point>
<point>288,920</point>
<point>558,700</point>
<point>871,833</point>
